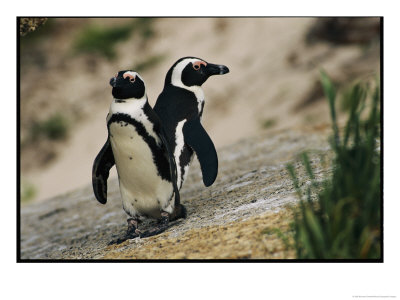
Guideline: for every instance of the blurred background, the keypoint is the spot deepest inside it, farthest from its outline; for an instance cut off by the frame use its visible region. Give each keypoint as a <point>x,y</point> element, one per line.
<point>273,84</point>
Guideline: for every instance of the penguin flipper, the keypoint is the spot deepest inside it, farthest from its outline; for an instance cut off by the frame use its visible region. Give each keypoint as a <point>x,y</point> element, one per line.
<point>103,162</point>
<point>197,138</point>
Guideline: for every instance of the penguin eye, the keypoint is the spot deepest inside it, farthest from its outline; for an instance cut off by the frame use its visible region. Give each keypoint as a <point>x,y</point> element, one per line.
<point>196,67</point>
<point>130,76</point>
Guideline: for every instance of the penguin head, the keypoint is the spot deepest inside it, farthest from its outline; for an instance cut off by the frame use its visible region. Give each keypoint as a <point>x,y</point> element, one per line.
<point>127,84</point>
<point>193,71</point>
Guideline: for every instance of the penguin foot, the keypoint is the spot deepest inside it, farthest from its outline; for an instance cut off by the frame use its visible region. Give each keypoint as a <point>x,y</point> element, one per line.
<point>132,225</point>
<point>131,233</point>
<point>161,227</point>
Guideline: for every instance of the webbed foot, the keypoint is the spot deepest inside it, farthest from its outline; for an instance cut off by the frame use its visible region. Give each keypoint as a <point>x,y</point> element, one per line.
<point>161,227</point>
<point>131,233</point>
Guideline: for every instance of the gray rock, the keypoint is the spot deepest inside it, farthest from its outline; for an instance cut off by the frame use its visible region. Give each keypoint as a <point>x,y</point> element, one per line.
<point>252,180</point>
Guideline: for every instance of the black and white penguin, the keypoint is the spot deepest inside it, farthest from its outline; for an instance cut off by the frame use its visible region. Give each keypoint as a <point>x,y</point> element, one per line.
<point>137,145</point>
<point>180,108</point>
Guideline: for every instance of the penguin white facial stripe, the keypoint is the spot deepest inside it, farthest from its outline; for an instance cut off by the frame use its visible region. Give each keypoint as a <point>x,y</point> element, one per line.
<point>176,79</point>
<point>131,74</point>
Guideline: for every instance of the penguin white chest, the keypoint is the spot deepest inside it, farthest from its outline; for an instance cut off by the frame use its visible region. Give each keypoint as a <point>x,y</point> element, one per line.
<point>182,171</point>
<point>143,191</point>
<point>179,144</point>
<point>200,99</point>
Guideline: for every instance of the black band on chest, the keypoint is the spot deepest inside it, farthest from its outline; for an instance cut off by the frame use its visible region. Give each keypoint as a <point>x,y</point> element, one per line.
<point>158,152</point>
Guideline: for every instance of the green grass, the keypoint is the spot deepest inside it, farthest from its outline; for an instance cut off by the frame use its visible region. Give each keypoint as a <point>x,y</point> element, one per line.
<point>28,191</point>
<point>95,39</point>
<point>56,127</point>
<point>268,123</point>
<point>341,217</point>
<point>102,40</point>
<point>145,28</point>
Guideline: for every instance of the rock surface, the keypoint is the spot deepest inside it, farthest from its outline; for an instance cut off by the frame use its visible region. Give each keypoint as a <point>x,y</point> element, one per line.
<point>227,220</point>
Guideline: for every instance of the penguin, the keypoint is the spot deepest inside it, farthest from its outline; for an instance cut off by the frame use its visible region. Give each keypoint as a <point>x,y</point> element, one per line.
<point>146,167</point>
<point>180,108</point>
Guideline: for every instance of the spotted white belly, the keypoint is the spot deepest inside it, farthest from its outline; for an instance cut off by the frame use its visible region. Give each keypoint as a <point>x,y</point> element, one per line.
<point>143,191</point>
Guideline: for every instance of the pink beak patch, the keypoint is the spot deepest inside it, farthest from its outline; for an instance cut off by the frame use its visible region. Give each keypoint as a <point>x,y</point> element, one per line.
<point>130,76</point>
<point>198,64</point>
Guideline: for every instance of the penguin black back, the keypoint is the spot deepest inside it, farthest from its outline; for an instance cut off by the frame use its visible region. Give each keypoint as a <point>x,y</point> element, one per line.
<point>180,107</point>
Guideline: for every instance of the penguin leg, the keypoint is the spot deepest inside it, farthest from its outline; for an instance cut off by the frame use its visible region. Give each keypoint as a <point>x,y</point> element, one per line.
<point>163,224</point>
<point>131,233</point>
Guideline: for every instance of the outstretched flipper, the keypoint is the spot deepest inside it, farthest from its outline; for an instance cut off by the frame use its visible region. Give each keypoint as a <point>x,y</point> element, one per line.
<point>103,162</point>
<point>197,138</point>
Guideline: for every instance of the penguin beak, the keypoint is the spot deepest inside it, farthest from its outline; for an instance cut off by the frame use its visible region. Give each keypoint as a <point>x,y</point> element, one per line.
<point>213,69</point>
<point>113,81</point>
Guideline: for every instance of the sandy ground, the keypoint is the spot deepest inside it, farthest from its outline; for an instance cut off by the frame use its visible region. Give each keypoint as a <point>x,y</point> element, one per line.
<point>272,73</point>
<point>254,238</point>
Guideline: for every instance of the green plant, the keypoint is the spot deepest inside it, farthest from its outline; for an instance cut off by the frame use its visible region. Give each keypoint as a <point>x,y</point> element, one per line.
<point>145,27</point>
<point>344,219</point>
<point>102,40</point>
<point>269,123</point>
<point>28,191</point>
<point>54,128</point>
<point>95,39</point>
